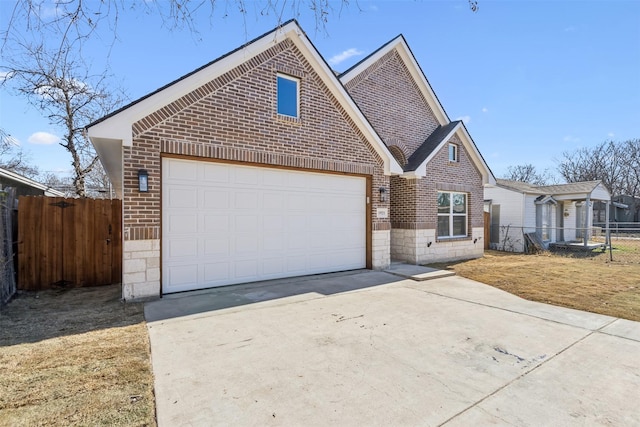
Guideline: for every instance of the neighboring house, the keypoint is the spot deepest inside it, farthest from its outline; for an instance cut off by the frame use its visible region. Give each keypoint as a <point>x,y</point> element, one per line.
<point>625,209</point>
<point>25,186</point>
<point>264,164</point>
<point>557,213</point>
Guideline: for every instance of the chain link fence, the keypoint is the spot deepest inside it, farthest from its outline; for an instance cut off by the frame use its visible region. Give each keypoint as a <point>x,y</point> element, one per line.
<point>7,252</point>
<point>619,243</point>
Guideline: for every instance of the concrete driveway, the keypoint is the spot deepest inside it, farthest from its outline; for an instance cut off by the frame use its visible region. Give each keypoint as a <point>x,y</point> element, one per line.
<point>372,348</point>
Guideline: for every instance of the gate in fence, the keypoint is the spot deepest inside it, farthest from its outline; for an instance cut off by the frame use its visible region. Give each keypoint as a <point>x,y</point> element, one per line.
<point>7,221</point>
<point>68,242</point>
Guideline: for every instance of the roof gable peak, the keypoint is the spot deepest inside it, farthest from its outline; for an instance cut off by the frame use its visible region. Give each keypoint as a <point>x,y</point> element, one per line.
<point>399,44</point>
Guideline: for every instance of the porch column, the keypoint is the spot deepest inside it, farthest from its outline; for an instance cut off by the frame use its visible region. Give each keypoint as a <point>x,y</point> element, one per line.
<point>606,218</point>
<point>587,222</point>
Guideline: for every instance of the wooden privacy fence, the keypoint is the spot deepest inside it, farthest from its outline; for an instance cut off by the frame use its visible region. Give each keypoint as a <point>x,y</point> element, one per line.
<point>68,242</point>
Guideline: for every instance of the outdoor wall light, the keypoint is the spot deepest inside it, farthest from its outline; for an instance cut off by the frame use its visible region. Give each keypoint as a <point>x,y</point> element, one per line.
<point>143,181</point>
<point>383,194</point>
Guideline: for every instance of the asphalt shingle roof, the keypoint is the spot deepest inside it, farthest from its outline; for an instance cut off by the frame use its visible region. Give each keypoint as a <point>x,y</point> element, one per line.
<point>571,188</point>
<point>429,145</point>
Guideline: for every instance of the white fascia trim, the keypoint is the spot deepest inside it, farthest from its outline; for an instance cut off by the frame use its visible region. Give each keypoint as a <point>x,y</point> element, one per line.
<point>29,182</point>
<point>422,169</point>
<point>391,165</point>
<point>118,127</point>
<point>487,176</point>
<point>418,76</point>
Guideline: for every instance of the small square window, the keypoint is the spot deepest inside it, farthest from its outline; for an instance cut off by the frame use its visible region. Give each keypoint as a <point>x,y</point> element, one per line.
<point>288,95</point>
<point>453,153</point>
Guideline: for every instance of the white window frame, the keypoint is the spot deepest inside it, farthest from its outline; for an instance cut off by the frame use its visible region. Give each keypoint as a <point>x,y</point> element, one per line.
<point>455,152</point>
<point>451,214</point>
<point>297,82</point>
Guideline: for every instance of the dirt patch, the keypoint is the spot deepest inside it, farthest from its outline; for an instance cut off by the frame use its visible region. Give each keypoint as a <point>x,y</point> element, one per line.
<point>75,357</point>
<point>588,283</point>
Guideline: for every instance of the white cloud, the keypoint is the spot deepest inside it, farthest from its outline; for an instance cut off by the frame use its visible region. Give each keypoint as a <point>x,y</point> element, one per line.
<point>465,119</point>
<point>570,29</point>
<point>571,138</point>
<point>373,8</point>
<point>4,75</point>
<point>485,110</point>
<point>611,134</point>
<point>335,60</point>
<point>43,138</point>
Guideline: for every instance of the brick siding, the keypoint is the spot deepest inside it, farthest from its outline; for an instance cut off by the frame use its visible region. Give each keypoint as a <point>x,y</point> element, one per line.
<point>442,175</point>
<point>391,100</point>
<point>234,118</point>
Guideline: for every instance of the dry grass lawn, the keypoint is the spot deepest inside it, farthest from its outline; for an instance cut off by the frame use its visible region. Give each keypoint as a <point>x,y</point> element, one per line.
<point>81,357</point>
<point>75,357</point>
<point>584,282</point>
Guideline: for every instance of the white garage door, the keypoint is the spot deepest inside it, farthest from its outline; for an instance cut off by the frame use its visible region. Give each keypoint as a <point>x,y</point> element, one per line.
<point>224,224</point>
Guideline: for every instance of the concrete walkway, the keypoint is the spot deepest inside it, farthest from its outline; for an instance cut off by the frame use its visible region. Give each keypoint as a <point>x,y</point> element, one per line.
<point>372,348</point>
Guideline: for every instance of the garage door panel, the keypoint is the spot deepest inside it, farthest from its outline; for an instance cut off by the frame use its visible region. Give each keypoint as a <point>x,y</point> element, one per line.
<point>272,242</point>
<point>273,267</point>
<point>245,200</point>
<point>217,246</point>
<point>183,248</point>
<point>214,173</point>
<point>183,274</point>
<point>182,223</point>
<point>216,272</point>
<point>296,202</point>
<point>246,175</point>
<point>273,178</point>
<point>246,223</point>
<point>179,171</point>
<point>215,198</point>
<point>246,269</point>
<point>246,244</point>
<point>253,223</point>
<point>213,223</point>
<point>179,196</point>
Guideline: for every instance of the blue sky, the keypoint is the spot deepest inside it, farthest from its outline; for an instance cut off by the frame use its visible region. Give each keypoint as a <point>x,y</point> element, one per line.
<point>531,79</point>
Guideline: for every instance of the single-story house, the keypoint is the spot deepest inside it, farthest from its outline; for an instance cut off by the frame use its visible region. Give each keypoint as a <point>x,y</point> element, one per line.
<point>557,213</point>
<point>624,211</point>
<point>265,164</point>
<point>25,186</point>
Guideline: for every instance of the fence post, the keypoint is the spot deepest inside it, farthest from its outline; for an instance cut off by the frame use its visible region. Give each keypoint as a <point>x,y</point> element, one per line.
<point>610,245</point>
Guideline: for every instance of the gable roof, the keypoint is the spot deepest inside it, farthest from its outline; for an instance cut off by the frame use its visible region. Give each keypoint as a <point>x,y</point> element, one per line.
<point>399,44</point>
<point>110,133</point>
<point>416,164</point>
<point>23,180</point>
<point>579,189</point>
<point>522,187</point>
<point>429,148</point>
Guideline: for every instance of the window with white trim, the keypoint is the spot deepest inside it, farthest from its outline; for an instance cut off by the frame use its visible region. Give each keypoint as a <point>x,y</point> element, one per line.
<point>453,153</point>
<point>288,97</point>
<point>452,214</point>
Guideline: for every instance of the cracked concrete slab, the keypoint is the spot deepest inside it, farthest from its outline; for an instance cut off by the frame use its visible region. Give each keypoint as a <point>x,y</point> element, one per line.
<point>370,349</point>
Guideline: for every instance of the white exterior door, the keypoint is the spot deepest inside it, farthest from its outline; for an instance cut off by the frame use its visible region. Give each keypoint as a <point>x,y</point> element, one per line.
<point>225,224</point>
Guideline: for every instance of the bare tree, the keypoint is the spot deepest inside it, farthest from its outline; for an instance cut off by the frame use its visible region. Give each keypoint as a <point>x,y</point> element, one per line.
<point>616,164</point>
<point>78,20</point>
<point>59,84</point>
<point>528,173</point>
<point>14,158</point>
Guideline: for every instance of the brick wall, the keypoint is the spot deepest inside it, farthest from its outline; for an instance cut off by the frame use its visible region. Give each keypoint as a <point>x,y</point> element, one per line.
<point>413,201</point>
<point>234,118</point>
<point>389,97</point>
